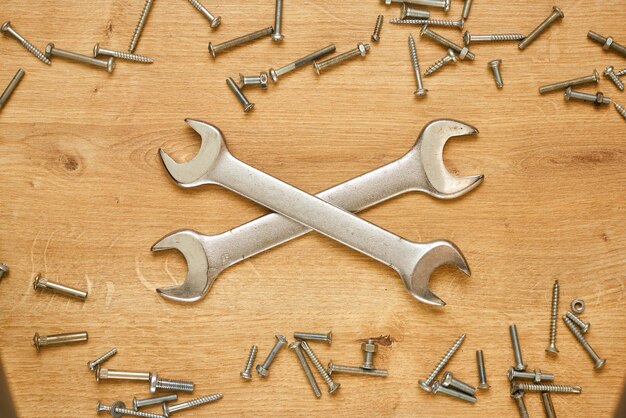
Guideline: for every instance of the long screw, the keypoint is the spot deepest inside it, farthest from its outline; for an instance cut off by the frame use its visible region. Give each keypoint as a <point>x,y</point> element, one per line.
<point>494,37</point>
<point>247,106</point>
<point>277,36</point>
<point>433,22</point>
<point>377,27</point>
<point>7,28</point>
<point>3,99</point>
<point>620,109</point>
<point>426,383</point>
<point>336,368</point>
<point>216,49</point>
<point>466,9</point>
<point>275,73</point>
<point>93,365</point>
<point>482,374</point>
<point>610,73</point>
<point>295,346</point>
<point>140,403</point>
<point>168,409</point>
<point>584,326</point>
<point>140,25</point>
<point>554,312</point>
<point>246,373</point>
<point>607,43</point>
<point>444,4</point>
<point>495,68</point>
<point>215,20</point>
<point>119,408</point>
<point>314,336</point>
<point>439,388</point>
<point>98,50</point>
<point>554,16</point>
<point>449,58</point>
<point>462,51</point>
<point>597,99</point>
<point>332,386</point>
<point>263,369</point>
<point>546,399</point>
<point>361,49</point>
<point>536,376</point>
<point>415,63</point>
<point>598,362</point>
<point>531,387</point>
<point>408,12</point>
<point>43,283</point>
<point>448,380</point>
<point>517,351</point>
<point>109,64</point>
<point>58,339</point>
<point>593,78</point>
<point>518,397</point>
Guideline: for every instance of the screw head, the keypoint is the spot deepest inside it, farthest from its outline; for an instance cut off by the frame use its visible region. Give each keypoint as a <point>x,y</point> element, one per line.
<point>403,11</point>
<point>511,374</point>
<point>273,75</point>
<point>423,30</point>
<point>316,67</point>
<point>446,379</point>
<point>212,50</point>
<point>608,70</point>
<point>568,93</point>
<point>5,26</point>
<point>334,387</point>
<point>484,386</point>
<point>277,37</point>
<point>517,394</point>
<point>558,11</point>
<point>599,364</point>
<point>467,38</point>
<point>436,386</point>
<point>596,75</point>
<point>153,382</point>
<point>331,368</point>
<point>96,50</point>
<point>100,407</point>
<point>118,404</point>
<point>462,23</point>
<point>135,407</point>
<point>295,344</point>
<point>110,64</point>
<point>48,50</point>
<point>245,375</point>
<point>421,92</point>
<point>495,63</point>
<point>262,371</point>
<point>446,6</point>
<point>552,349</point>
<point>36,340</point>
<point>375,37</point>
<point>216,22</point>
<point>452,55</point>
<point>425,386</point>
<point>166,410</point>
<point>387,2</point>
<point>248,107</point>
<point>37,281</point>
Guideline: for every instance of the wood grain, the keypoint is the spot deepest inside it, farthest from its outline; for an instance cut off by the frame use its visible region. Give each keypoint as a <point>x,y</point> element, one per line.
<point>84,196</point>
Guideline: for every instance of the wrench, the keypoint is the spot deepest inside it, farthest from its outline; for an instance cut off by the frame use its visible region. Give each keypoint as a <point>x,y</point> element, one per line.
<point>421,169</point>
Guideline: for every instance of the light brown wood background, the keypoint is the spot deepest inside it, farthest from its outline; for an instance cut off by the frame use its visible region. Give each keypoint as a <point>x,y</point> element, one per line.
<point>84,196</point>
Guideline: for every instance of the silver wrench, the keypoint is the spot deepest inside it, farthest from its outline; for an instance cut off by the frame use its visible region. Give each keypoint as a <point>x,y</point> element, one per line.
<point>421,169</point>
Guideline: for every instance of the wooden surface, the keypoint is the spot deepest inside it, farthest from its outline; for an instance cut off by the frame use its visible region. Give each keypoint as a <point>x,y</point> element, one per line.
<point>84,196</point>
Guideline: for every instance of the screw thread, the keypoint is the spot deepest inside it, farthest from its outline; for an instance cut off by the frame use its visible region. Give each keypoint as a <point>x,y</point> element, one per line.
<point>198,5</point>
<point>584,326</point>
<point>33,50</point>
<point>132,57</point>
<point>621,110</point>
<point>616,80</point>
<point>554,313</point>
<point>251,358</point>
<point>445,360</point>
<point>620,72</point>
<point>437,65</point>
<point>433,22</point>
<point>134,413</point>
<point>521,406</point>
<point>596,37</point>
<point>320,368</point>
<point>140,24</point>
<point>196,402</point>
<point>531,387</point>
<point>498,37</point>
<point>341,58</point>
<point>174,385</point>
<point>377,27</point>
<point>413,52</point>
<point>4,97</point>
<point>92,364</point>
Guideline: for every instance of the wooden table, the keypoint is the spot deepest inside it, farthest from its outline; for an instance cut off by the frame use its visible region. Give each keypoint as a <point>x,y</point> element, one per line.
<point>84,196</point>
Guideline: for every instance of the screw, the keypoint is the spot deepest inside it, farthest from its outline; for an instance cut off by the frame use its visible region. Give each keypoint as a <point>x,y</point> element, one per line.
<point>140,24</point>
<point>98,50</point>
<point>438,387</point>
<point>300,62</point>
<point>216,49</point>
<point>95,363</point>
<point>482,374</point>
<point>553,317</point>
<point>361,49</point>
<point>449,381</point>
<point>421,91</point>
<point>379,24</point>
<point>369,348</point>
<point>42,283</point>
<point>425,383</point>
<point>610,73</point>
<point>531,387</point>
<point>335,368</point>
<point>607,43</point>
<point>140,403</point>
<point>245,374</point>
<point>620,109</point>
<point>102,374</point>
<point>305,366</point>
<point>247,106</point>
<point>109,64</point>
<point>58,339</point>
<point>263,370</point>
<point>620,72</point>
<point>518,397</point>
<point>6,27</point>
<point>466,9</point>
<point>495,37</point>
<point>584,326</point>
<point>278,22</point>
<point>495,67</point>
<point>433,22</point>
<point>597,99</point>
<point>462,51</point>
<point>450,57</point>
<point>215,20</point>
<point>408,12</point>
<point>4,269</point>
<point>598,362</point>
<point>593,78</point>
<point>118,409</point>
<point>255,80</point>
<point>332,386</point>
<point>517,352</point>
<point>169,384</point>
<point>536,376</point>
<point>556,14</point>
<point>546,398</point>
<point>3,99</point>
<point>314,336</point>
<point>444,4</point>
<point>167,410</point>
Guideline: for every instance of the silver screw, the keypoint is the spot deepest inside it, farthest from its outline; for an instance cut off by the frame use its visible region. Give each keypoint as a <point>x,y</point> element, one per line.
<point>495,67</point>
<point>140,403</point>
<point>421,91</point>
<point>597,99</point>
<point>168,409</point>
<point>263,369</point>
<point>554,16</point>
<point>536,376</point>
<point>314,336</point>
<point>433,22</point>
<point>466,9</point>
<point>98,50</point>
<point>408,12</point>
<point>3,99</point>
<point>450,57</point>
<point>7,28</point>
<point>169,384</point>
<point>610,73</point>
<point>278,22</point>
<point>118,409</point>
<point>275,73</point>
<point>462,51</point>
<point>216,49</point>
<point>620,109</point>
<point>425,383</point>
<point>295,346</point>
<point>140,25</point>
<point>444,4</point>
<point>336,368</point>
<point>215,20</point>
<point>598,362</point>
<point>58,339</point>
<point>247,106</point>
<point>620,72</point>
<point>439,388</point>
<point>361,49</point>
<point>607,43</point>
<point>332,386</point>
<point>246,373</point>
<point>482,374</point>
<point>554,312</point>
<point>254,80</point>
<point>95,363</point>
<point>109,64</point>
<point>43,283</point>
<point>593,78</point>
<point>494,37</point>
<point>449,381</point>
<point>532,387</point>
<point>518,397</point>
<point>369,348</point>
<point>377,27</point>
<point>103,374</point>
<point>517,351</point>
<point>584,326</point>
<point>546,399</point>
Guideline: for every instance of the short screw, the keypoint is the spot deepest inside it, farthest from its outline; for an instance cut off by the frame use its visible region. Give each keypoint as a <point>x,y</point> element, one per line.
<point>215,20</point>
<point>336,368</point>
<point>584,326</point>
<point>168,409</point>
<point>109,64</point>
<point>369,348</point>
<point>607,43</point>
<point>554,16</point>
<point>95,363</point>
<point>548,407</point>
<point>593,78</point>
<point>518,397</point>
<point>448,380</point>
<point>432,22</point>
<point>247,106</point>
<point>118,409</point>
<point>43,283</point>
<point>377,27</point>
<point>620,109</point>
<point>3,99</point>
<point>7,28</point>
<point>246,373</point>
<point>58,339</point>
<point>169,384</point>
<point>314,336</point>
<point>620,72</point>
<point>421,91</point>
<point>466,9</point>
<point>597,99</point>
<point>554,312</point>
<point>98,50</point>
<point>216,49</point>
<point>438,387</point>
<point>517,351</point>
<point>295,346</point>
<point>610,73</point>
<point>495,37</point>
<point>443,4</point>
<point>408,12</point>
<point>361,50</point>
<point>449,58</point>
<point>254,80</point>
<point>462,51</point>
<point>275,73</point>
<point>482,374</point>
<point>332,386</point>
<point>495,68</point>
<point>140,25</point>
<point>140,403</point>
<point>598,362</point>
<point>536,376</point>
<point>263,369</point>
<point>425,383</point>
<point>532,387</point>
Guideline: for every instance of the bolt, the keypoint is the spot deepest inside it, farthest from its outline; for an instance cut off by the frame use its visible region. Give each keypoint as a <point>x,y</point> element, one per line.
<point>169,384</point>
<point>278,22</point>
<point>103,374</point>
<point>553,317</point>
<point>518,397</point>
<point>305,366</point>
<point>449,381</point>
<point>462,51</point>
<point>109,64</point>
<point>167,410</point>
<point>361,49</point>
<point>314,336</point>
<point>369,348</point>
<point>495,37</point>
<point>255,80</point>
<point>332,386</point>
<point>140,24</point>
<point>379,24</point>
<point>482,374</point>
<point>58,339</point>
<point>556,14</point>
<point>598,362</point>
<point>263,370</point>
<point>215,20</point>
<point>607,43</point>
<point>216,49</point>
<point>246,373</point>
<point>450,57</point>
<point>584,326</point>
<point>495,67</point>
<point>425,383</point>
<point>247,106</point>
<point>300,62</point>
<point>438,387</point>
<point>517,352</point>
<point>421,91</point>
<point>42,283</point>
<point>3,99</point>
<point>593,78</point>
<point>118,409</point>
<point>433,22</point>
<point>408,12</point>
<point>466,9</point>
<point>546,399</point>
<point>620,109</point>
<point>610,73</point>
<point>98,50</point>
<point>597,99</point>
<point>140,403</point>
<point>444,4</point>
<point>95,363</point>
<point>6,27</point>
<point>335,368</point>
<point>531,387</point>
<point>536,376</point>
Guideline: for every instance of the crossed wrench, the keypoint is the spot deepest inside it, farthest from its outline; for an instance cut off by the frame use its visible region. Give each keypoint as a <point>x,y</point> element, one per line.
<point>421,169</point>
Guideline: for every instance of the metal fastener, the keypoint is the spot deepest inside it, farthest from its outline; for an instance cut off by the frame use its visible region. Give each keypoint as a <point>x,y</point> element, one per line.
<point>140,25</point>
<point>3,99</point>
<point>432,22</point>
<point>369,347</point>
<point>4,269</point>
<point>620,109</point>
<point>247,106</point>
<point>314,336</point>
<point>95,363</point>
<point>449,58</point>
<point>43,283</point>
<point>536,376</point>
<point>216,49</point>
<point>58,339</point>
<point>295,346</point>
<point>275,73</point>
<point>108,64</point>
<point>517,351</point>
<point>278,22</point>
<point>495,68</point>
<point>532,36</point>
<point>332,386</point>
<point>263,369</point>
<point>494,37</point>
<point>140,403</point>
<point>246,373</point>
<point>532,387</point>
<point>449,381</point>
<point>98,50</point>
<point>336,368</point>
<point>377,27</point>
<point>215,20</point>
<point>103,374</point>
<point>610,73</point>
<point>620,72</point>
<point>598,362</point>
<point>408,12</point>
<point>554,312</point>
<point>168,409</point>
<point>518,397</point>
<point>443,4</point>
<point>361,49</point>
<point>584,326</point>
<point>607,43</point>
<point>593,78</point>
<point>421,91</point>
<point>578,306</point>
<point>157,383</point>
<point>7,28</point>
<point>439,388</point>
<point>118,410</point>
<point>597,99</point>
<point>254,80</point>
<point>425,383</point>
<point>546,399</point>
<point>482,374</point>
<point>466,9</point>
<point>462,51</point>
